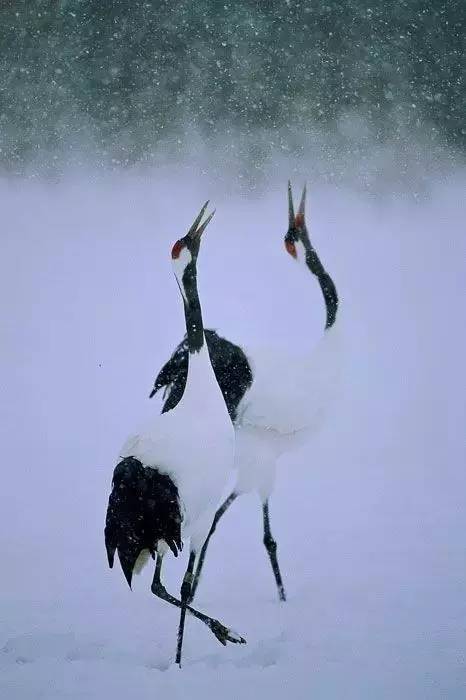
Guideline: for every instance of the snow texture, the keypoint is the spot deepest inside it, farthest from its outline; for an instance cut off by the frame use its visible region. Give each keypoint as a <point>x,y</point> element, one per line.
<point>369,515</point>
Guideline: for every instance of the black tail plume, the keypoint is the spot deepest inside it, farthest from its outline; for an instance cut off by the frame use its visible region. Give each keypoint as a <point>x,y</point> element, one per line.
<point>143,509</point>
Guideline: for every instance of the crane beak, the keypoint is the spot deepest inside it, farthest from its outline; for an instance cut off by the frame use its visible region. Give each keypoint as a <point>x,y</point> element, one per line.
<point>299,218</point>
<point>290,207</point>
<point>196,231</point>
<point>296,221</point>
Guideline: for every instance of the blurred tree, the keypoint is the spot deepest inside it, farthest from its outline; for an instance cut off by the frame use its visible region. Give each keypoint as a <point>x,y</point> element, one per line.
<point>121,79</point>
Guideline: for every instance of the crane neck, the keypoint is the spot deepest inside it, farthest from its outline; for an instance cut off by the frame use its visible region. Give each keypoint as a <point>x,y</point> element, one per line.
<point>192,309</point>
<point>201,383</point>
<point>326,283</point>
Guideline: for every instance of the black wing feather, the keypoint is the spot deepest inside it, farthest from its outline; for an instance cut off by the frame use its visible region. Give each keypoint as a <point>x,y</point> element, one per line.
<point>230,365</point>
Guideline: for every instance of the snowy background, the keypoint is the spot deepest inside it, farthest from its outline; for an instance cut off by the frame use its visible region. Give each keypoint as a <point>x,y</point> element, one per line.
<point>117,122</point>
<point>369,517</point>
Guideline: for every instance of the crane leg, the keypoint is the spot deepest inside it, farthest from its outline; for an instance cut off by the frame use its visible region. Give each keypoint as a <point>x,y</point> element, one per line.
<point>271,547</point>
<point>223,508</point>
<point>222,633</point>
<point>184,594</point>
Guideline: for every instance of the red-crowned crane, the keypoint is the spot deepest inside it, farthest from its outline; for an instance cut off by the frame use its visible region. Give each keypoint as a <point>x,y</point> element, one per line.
<point>272,400</point>
<point>173,471</point>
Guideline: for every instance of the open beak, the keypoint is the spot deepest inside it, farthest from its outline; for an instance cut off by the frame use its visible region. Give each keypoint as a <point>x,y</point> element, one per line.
<point>298,220</point>
<point>196,231</point>
<point>296,223</point>
<point>290,206</point>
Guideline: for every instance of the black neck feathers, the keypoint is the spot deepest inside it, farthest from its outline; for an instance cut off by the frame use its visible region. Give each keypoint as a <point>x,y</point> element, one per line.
<point>327,285</point>
<point>330,297</point>
<point>192,309</point>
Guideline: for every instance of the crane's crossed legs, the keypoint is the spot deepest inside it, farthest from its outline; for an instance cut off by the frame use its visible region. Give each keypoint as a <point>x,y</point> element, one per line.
<point>223,634</point>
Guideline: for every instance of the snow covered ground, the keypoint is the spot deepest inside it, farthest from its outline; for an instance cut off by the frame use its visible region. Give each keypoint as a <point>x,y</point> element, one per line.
<point>369,517</point>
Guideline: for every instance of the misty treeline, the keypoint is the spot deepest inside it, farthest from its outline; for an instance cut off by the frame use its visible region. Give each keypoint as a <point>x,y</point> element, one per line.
<point>124,78</point>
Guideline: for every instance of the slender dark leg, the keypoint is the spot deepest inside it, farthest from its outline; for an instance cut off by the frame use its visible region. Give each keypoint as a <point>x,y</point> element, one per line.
<point>223,508</point>
<point>185,591</point>
<point>222,633</point>
<point>271,547</point>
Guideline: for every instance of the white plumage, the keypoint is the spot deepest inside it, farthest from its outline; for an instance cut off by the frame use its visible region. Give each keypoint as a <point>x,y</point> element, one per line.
<point>194,445</point>
<point>289,400</point>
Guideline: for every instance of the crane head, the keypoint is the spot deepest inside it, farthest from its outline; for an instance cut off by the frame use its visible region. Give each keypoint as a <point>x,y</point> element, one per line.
<point>297,240</point>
